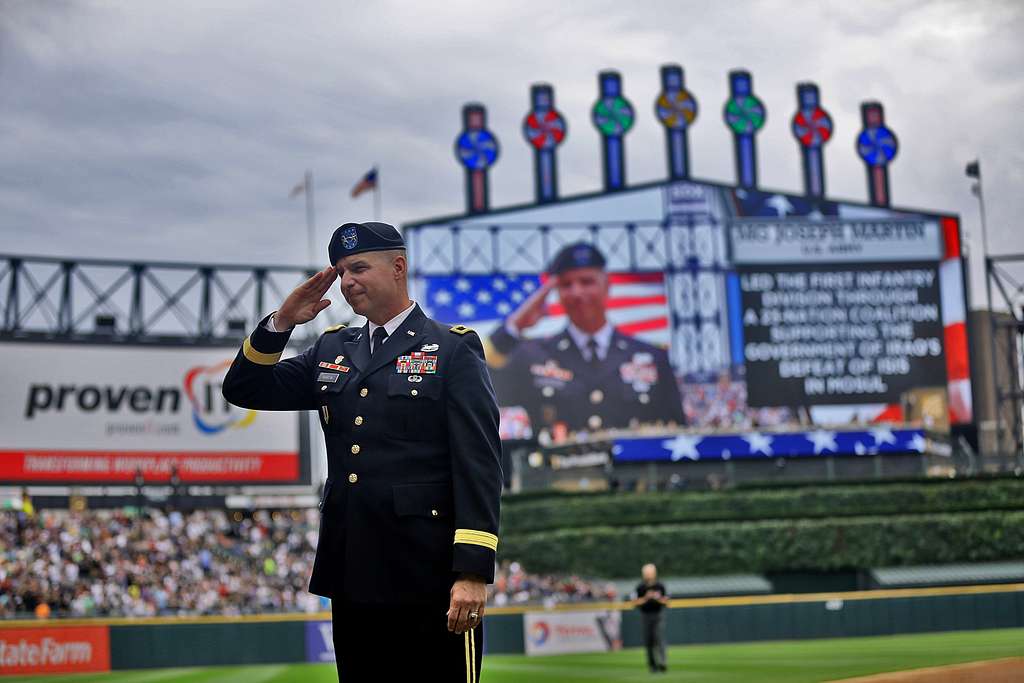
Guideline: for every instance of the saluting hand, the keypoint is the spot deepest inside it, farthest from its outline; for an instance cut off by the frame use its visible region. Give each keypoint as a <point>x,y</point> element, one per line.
<point>533,309</point>
<point>306,300</point>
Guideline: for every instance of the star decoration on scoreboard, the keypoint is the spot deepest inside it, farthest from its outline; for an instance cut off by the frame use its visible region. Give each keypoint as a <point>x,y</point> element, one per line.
<point>883,435</point>
<point>748,445</point>
<point>823,441</point>
<point>683,446</point>
<point>759,443</point>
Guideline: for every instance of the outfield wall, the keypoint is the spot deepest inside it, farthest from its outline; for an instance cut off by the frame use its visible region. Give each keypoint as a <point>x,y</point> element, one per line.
<point>113,644</point>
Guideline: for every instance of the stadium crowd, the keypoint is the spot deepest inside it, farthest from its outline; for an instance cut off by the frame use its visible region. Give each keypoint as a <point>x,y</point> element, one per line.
<point>110,563</point>
<point>514,586</point>
<point>116,563</point>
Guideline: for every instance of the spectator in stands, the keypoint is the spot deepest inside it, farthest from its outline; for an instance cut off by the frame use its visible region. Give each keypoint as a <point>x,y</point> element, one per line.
<point>140,489</point>
<point>26,503</point>
<point>651,600</point>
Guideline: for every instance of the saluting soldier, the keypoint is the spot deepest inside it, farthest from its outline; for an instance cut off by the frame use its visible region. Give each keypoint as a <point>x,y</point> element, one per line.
<point>590,376</point>
<point>409,513</point>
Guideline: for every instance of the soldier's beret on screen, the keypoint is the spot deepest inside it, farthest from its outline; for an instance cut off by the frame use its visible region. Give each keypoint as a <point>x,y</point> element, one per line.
<point>357,238</point>
<point>578,255</point>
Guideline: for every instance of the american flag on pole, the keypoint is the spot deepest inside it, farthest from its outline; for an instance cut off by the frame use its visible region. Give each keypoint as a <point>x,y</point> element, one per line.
<point>366,183</point>
<point>298,189</point>
<point>637,304</point>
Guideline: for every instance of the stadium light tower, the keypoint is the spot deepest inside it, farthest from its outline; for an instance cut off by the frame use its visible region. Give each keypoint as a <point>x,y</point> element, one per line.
<point>973,170</point>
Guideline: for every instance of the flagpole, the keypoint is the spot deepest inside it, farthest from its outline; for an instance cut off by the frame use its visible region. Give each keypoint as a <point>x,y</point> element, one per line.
<point>376,196</point>
<point>981,210</point>
<point>311,217</point>
<point>973,170</point>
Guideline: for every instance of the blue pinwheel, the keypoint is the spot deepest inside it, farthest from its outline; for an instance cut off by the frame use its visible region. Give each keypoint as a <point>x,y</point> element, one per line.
<point>477,149</point>
<point>877,145</point>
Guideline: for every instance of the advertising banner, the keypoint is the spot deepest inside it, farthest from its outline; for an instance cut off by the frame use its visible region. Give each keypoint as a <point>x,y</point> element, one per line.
<point>319,642</point>
<point>74,649</point>
<point>77,413</point>
<point>552,633</point>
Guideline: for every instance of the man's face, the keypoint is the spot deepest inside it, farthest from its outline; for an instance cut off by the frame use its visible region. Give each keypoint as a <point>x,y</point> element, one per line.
<point>370,281</point>
<point>584,294</point>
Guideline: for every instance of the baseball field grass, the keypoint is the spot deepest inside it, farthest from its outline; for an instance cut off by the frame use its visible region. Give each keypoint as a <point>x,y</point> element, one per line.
<point>804,661</point>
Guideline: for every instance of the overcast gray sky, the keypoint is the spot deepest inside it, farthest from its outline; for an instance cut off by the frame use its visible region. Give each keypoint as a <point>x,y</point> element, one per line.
<point>150,130</point>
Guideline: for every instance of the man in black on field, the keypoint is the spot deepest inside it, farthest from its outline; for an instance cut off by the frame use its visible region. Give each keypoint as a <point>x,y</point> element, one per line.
<point>651,600</point>
<point>409,514</point>
<point>590,376</point>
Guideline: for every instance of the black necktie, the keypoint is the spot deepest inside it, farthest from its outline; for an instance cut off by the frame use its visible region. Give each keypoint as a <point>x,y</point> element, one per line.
<point>379,335</point>
<point>592,347</point>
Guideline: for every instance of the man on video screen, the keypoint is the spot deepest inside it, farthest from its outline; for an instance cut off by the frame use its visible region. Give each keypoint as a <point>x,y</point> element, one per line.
<point>590,376</point>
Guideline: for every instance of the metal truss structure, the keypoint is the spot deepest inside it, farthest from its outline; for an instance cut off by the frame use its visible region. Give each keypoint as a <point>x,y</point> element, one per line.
<point>1004,276</point>
<point>99,301</point>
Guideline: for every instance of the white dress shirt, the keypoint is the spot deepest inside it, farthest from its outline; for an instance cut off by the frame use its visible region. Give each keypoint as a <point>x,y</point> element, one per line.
<point>603,337</point>
<point>579,337</point>
<point>391,325</point>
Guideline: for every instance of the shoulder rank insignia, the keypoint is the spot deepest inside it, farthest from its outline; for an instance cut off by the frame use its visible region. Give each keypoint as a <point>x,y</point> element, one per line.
<point>460,329</point>
<point>335,328</point>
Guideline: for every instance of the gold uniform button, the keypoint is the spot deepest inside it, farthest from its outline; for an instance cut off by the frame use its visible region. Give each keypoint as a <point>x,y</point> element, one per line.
<point>359,420</point>
<point>414,392</point>
<point>433,513</point>
<point>355,449</point>
<point>594,422</point>
<point>644,398</point>
<point>363,392</point>
<point>596,396</point>
<point>353,478</point>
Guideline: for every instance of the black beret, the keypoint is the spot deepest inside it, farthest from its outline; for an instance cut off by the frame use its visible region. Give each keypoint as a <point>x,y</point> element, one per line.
<point>578,255</point>
<point>356,238</point>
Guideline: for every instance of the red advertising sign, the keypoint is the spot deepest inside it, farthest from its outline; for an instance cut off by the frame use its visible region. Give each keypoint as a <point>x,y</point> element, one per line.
<point>64,465</point>
<point>96,413</point>
<point>74,649</point>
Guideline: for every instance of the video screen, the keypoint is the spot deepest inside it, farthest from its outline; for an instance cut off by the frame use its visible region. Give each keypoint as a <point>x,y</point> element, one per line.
<point>734,310</point>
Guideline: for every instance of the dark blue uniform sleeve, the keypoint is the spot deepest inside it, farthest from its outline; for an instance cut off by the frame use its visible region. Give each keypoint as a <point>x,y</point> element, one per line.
<point>472,413</point>
<point>503,342</point>
<point>260,380</point>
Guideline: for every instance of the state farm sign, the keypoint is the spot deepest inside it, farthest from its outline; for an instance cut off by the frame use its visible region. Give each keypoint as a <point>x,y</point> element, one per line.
<point>54,650</point>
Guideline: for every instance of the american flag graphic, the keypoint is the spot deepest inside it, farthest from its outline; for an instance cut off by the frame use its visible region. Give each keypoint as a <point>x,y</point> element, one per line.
<point>820,443</point>
<point>637,304</point>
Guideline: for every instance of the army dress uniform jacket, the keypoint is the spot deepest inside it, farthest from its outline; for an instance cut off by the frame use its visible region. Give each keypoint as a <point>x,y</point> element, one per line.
<point>552,380</point>
<point>413,455</point>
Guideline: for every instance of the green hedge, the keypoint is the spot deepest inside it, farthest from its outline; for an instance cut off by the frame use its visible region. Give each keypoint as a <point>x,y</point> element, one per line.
<point>773,545</point>
<point>632,509</point>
